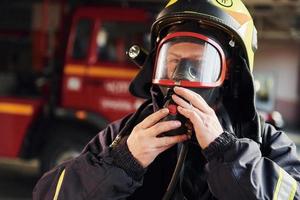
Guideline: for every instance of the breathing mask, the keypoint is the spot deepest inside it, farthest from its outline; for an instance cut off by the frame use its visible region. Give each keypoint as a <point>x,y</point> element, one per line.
<point>189,60</point>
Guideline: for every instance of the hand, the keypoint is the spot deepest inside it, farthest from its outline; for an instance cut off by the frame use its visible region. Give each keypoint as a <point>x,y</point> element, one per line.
<point>143,142</point>
<point>205,122</point>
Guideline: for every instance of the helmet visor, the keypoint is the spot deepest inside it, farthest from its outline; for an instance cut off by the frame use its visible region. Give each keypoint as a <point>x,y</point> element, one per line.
<point>190,60</point>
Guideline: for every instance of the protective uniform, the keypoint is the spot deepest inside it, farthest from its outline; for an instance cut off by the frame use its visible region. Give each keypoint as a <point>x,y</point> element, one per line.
<point>250,160</point>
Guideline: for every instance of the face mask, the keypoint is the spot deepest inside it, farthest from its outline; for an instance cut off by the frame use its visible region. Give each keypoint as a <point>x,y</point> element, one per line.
<point>192,61</point>
<point>189,60</point>
<point>211,96</point>
<point>174,115</point>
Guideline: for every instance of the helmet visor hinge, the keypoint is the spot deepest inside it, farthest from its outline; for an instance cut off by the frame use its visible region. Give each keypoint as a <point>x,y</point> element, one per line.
<point>232,43</point>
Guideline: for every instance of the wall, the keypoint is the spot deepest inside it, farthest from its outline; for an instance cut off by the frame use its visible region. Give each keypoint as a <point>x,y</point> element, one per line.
<point>281,58</point>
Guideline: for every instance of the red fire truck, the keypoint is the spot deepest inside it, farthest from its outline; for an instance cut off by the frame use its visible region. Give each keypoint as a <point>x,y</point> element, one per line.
<point>51,115</point>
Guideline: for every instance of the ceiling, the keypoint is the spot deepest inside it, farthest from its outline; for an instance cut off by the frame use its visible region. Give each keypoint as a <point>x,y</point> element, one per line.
<point>274,19</point>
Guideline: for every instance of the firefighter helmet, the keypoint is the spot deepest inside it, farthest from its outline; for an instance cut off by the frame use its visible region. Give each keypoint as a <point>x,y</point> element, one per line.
<point>227,16</point>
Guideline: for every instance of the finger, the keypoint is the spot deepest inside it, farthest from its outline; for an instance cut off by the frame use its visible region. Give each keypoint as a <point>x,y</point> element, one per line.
<point>169,141</point>
<point>162,127</point>
<point>194,98</point>
<point>194,116</point>
<point>179,101</point>
<point>184,104</point>
<point>162,149</point>
<point>153,118</point>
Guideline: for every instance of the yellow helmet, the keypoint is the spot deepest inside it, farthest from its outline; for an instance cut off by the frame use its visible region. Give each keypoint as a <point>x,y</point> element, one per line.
<point>228,16</point>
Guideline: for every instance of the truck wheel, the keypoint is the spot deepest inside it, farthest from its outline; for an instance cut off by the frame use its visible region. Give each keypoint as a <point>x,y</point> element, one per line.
<point>61,148</point>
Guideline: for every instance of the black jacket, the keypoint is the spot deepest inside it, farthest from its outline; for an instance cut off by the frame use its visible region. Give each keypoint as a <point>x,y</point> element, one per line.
<point>251,160</point>
<point>233,167</point>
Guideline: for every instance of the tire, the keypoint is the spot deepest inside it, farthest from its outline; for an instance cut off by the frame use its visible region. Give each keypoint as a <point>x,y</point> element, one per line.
<point>64,144</point>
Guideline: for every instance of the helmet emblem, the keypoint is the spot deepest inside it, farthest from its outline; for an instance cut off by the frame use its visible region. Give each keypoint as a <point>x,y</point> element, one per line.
<point>226,3</point>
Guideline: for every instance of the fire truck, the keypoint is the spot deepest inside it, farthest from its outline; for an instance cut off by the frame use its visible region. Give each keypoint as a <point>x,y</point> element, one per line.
<point>52,114</point>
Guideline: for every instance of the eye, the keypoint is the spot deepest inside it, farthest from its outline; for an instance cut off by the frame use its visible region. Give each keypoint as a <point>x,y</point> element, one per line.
<point>174,61</point>
<point>193,72</point>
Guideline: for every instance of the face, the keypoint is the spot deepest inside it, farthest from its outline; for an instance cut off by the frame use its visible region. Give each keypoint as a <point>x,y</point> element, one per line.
<point>189,60</point>
<point>183,50</point>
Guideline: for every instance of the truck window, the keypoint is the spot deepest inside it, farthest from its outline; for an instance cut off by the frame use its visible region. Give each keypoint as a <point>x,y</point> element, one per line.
<point>82,39</point>
<point>114,38</point>
<point>17,76</point>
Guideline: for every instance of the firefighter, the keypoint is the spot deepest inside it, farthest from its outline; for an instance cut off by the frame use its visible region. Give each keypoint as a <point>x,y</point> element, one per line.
<point>198,135</point>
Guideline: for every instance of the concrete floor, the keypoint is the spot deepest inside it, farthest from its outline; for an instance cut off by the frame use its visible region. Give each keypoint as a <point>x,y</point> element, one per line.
<point>17,177</point>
